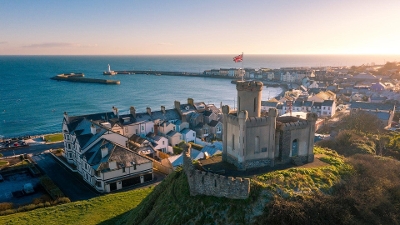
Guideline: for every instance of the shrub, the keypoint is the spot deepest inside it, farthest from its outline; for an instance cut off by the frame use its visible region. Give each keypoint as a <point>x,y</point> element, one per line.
<point>6,205</point>
<point>177,150</point>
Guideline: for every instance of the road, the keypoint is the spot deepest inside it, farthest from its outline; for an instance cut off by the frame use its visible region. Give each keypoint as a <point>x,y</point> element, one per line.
<point>31,149</point>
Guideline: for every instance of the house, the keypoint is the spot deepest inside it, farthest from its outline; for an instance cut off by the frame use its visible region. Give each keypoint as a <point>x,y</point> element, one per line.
<point>210,150</point>
<point>209,116</point>
<point>377,87</point>
<point>159,143</point>
<point>107,167</point>
<point>188,135</point>
<point>177,160</point>
<point>328,108</point>
<point>100,154</point>
<point>165,127</point>
<point>174,137</point>
<point>214,129</point>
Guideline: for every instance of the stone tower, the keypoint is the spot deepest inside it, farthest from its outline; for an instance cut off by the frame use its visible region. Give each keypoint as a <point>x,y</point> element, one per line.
<point>249,97</point>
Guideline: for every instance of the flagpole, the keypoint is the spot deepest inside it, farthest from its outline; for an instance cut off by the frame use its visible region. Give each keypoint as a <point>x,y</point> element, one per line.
<point>242,68</point>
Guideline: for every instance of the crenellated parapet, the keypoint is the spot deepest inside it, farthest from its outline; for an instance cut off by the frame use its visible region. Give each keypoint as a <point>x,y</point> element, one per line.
<point>249,86</point>
<point>207,183</point>
<point>257,121</point>
<point>295,125</point>
<point>231,119</point>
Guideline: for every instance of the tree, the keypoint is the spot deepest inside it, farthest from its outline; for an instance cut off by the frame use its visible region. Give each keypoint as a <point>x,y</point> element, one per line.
<point>362,122</point>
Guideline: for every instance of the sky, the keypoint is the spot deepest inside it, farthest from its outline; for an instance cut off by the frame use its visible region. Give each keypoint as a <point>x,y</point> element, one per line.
<point>169,27</point>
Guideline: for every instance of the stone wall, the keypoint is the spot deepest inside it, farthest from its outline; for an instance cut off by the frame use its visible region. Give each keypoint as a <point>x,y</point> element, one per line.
<point>206,183</point>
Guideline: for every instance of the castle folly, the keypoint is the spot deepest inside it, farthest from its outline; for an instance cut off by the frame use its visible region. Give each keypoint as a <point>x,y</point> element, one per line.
<point>253,141</point>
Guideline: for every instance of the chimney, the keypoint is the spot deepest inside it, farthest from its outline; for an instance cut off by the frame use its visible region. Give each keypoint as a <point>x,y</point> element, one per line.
<point>163,109</point>
<point>104,151</point>
<point>93,129</point>
<point>177,105</point>
<point>190,101</point>
<point>155,129</point>
<point>66,117</point>
<point>148,109</point>
<point>132,111</point>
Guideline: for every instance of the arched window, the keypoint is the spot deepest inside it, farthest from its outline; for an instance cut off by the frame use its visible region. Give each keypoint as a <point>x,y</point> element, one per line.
<point>295,148</point>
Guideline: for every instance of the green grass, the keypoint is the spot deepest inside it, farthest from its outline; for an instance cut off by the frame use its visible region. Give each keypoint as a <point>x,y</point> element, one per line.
<point>298,181</point>
<point>3,162</point>
<point>54,137</point>
<point>107,209</point>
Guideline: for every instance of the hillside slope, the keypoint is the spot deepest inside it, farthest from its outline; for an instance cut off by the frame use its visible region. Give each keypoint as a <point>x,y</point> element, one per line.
<point>171,203</point>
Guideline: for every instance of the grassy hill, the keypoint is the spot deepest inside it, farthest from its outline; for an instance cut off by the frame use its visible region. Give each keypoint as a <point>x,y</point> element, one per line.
<point>171,203</point>
<point>107,209</point>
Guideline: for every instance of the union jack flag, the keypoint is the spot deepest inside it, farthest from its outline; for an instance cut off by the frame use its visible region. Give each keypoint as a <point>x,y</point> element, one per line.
<point>238,58</point>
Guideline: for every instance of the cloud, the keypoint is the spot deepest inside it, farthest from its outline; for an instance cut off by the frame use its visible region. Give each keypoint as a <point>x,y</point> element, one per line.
<point>3,42</point>
<point>165,43</point>
<point>59,45</point>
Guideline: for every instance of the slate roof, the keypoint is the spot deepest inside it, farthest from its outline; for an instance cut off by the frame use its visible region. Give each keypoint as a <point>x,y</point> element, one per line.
<point>137,139</point>
<point>103,117</point>
<point>327,103</point>
<point>269,103</point>
<point>213,123</point>
<point>207,113</point>
<point>122,156</point>
<point>185,131</point>
<point>372,106</point>
<point>213,108</point>
<point>171,133</point>
<point>211,150</point>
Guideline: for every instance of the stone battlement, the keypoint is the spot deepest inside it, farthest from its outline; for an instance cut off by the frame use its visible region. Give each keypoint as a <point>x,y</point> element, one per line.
<point>207,183</point>
<point>249,86</point>
<point>295,125</point>
<point>257,121</point>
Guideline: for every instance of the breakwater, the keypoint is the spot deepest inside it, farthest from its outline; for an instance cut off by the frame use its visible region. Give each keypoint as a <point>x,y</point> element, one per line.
<point>80,77</point>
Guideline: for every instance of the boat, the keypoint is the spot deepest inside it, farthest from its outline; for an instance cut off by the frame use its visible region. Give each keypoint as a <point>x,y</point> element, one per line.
<point>158,74</point>
<point>109,71</point>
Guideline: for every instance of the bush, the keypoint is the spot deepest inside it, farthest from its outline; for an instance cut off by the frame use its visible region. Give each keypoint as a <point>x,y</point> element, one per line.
<point>177,150</point>
<point>6,205</point>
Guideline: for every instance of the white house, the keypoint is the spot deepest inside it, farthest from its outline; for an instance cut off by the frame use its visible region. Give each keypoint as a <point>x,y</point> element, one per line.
<point>159,143</point>
<point>188,135</point>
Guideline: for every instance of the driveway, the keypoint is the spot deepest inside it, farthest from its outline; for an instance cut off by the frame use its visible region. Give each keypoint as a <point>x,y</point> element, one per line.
<point>70,183</point>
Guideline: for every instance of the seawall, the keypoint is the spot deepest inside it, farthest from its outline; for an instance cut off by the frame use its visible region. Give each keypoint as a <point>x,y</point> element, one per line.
<point>82,79</point>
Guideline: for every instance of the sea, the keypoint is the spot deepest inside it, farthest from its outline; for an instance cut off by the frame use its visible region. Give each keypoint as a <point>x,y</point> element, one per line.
<point>33,104</point>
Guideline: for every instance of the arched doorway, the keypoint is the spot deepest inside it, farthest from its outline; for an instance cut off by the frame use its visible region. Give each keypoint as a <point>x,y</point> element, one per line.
<point>295,148</point>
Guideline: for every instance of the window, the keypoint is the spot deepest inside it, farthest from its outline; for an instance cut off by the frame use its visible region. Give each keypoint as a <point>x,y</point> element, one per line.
<point>255,101</point>
<point>233,141</point>
<point>98,184</point>
<point>257,145</point>
<point>163,142</point>
<point>194,135</point>
<point>69,146</point>
<point>136,131</point>
<point>123,169</point>
<point>142,127</point>
<point>97,173</point>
